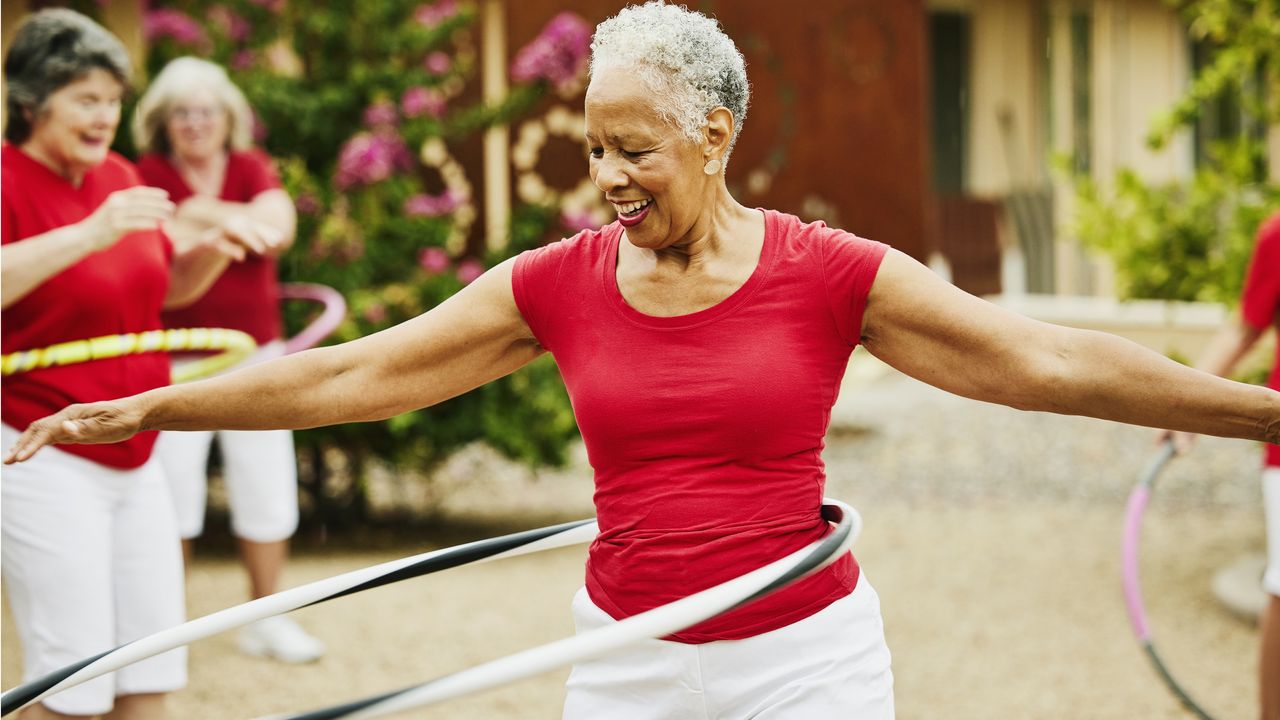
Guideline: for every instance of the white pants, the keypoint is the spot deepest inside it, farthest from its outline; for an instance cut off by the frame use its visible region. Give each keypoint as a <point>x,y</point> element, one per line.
<point>1271,509</point>
<point>259,468</point>
<point>91,560</point>
<point>833,664</point>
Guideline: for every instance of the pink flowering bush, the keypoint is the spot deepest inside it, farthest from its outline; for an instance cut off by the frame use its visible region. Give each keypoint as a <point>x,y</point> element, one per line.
<point>177,27</point>
<point>434,260</point>
<point>345,94</point>
<point>559,55</point>
<point>371,157</point>
<point>424,205</point>
<point>420,101</point>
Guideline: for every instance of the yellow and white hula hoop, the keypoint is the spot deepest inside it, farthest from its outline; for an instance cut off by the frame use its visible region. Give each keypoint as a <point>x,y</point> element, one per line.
<point>233,344</point>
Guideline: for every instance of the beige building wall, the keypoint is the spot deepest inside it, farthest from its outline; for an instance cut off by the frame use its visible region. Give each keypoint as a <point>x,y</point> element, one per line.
<point>1142,66</point>
<point>1021,105</point>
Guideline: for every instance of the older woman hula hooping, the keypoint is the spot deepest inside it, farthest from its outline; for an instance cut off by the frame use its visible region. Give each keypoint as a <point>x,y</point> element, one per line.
<point>88,545</point>
<point>703,344</point>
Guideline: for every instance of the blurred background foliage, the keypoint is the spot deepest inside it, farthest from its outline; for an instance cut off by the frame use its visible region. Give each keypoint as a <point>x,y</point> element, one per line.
<point>1192,240</point>
<point>363,105</point>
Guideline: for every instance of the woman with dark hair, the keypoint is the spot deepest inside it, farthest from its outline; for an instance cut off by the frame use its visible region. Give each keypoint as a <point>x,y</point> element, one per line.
<point>703,344</point>
<point>90,552</point>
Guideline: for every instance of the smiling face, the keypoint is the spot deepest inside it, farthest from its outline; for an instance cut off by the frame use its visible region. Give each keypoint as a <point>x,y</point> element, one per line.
<point>647,168</point>
<point>73,131</point>
<point>197,126</point>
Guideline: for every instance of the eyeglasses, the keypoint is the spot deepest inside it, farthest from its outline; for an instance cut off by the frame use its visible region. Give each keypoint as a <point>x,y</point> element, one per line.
<point>204,113</point>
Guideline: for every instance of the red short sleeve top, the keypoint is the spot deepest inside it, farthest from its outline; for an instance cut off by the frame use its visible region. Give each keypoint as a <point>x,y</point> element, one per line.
<point>117,290</point>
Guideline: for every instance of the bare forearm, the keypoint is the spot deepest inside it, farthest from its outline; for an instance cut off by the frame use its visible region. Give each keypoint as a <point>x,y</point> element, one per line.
<point>193,273</point>
<point>273,208</point>
<point>1108,377</point>
<point>309,389</point>
<point>26,264</point>
<point>1227,348</point>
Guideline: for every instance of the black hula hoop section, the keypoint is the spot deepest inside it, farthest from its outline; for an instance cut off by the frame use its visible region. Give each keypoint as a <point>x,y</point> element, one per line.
<point>658,622</point>
<point>314,593</point>
<point>1137,505</point>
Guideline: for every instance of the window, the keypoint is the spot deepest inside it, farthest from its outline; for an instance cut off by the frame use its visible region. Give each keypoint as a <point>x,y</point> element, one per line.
<point>949,40</point>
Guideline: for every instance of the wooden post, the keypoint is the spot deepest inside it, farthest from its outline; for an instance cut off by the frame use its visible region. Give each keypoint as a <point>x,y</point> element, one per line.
<point>493,78</point>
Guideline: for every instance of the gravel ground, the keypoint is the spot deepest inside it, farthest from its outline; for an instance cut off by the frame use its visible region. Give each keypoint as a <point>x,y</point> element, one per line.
<point>991,535</point>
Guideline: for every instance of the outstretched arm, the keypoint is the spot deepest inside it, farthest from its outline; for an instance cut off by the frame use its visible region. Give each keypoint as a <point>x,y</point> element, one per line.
<point>476,336</point>
<point>941,335</point>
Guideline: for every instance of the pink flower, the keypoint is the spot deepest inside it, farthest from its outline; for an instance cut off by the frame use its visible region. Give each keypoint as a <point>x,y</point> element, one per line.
<point>242,60</point>
<point>434,260</point>
<point>469,270</point>
<point>259,129</point>
<point>231,23</point>
<point>176,25</point>
<point>423,205</point>
<point>371,157</point>
<point>576,221</point>
<point>432,15</point>
<point>558,55</point>
<point>307,204</point>
<point>438,63</point>
<point>418,101</point>
<point>381,113</point>
<point>375,313</point>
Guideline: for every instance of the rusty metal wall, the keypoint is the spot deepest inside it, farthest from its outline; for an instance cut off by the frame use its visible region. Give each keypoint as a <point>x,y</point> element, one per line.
<point>837,125</point>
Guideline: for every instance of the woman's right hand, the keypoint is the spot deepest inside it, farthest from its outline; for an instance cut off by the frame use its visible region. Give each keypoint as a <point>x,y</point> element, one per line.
<point>126,211</point>
<point>91,423</point>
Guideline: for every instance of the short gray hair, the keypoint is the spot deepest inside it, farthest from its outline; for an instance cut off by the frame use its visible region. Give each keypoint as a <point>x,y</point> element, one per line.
<point>683,56</point>
<point>177,79</point>
<point>53,48</point>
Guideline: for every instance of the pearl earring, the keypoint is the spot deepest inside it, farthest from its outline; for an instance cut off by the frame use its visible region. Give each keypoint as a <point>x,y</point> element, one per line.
<point>712,167</point>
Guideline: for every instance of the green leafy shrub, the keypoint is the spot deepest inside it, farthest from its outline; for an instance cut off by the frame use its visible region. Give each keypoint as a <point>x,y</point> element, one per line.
<point>361,103</point>
<point>1179,241</point>
<point>1192,240</point>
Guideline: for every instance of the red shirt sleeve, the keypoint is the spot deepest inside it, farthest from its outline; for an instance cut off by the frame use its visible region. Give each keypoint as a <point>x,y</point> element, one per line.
<point>257,173</point>
<point>533,282</point>
<point>1261,299</point>
<point>849,267</point>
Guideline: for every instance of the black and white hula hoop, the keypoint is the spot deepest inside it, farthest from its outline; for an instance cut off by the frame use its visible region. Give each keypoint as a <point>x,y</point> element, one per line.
<point>659,622</point>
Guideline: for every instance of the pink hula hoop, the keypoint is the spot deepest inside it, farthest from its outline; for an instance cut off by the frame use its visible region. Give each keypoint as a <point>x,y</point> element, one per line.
<point>335,309</point>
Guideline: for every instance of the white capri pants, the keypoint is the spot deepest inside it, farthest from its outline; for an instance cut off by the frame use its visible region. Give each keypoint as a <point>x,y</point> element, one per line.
<point>833,664</point>
<point>1271,510</point>
<point>259,468</point>
<point>91,560</point>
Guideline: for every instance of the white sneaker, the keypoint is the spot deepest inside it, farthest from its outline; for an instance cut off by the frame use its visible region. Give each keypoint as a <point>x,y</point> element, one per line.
<point>280,638</point>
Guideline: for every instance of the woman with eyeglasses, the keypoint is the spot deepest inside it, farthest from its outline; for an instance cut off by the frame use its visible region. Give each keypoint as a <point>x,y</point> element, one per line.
<point>194,128</point>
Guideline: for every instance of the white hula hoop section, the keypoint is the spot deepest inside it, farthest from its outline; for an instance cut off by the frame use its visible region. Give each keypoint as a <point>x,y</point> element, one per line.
<point>658,622</point>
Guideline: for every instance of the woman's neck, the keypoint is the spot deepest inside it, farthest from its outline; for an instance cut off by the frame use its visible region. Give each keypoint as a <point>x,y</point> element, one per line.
<point>717,233</point>
<point>204,175</point>
<point>73,172</point>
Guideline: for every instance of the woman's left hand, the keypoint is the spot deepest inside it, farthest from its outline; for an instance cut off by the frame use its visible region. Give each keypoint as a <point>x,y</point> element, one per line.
<point>256,237</point>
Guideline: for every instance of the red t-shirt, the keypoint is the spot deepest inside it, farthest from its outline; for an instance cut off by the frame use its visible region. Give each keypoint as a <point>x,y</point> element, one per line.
<point>1260,304</point>
<point>705,430</point>
<point>117,290</point>
<point>246,296</point>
